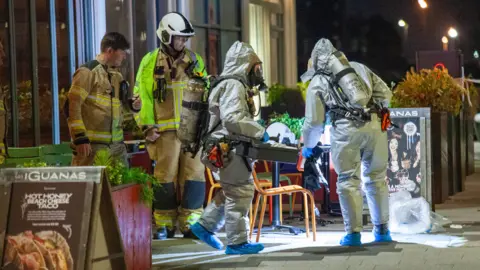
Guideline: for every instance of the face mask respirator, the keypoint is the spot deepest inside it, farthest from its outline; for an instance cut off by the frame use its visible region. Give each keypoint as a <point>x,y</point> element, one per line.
<point>255,78</point>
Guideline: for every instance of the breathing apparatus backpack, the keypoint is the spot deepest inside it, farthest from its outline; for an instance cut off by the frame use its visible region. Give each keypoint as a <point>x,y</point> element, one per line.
<point>195,117</point>
<point>352,96</point>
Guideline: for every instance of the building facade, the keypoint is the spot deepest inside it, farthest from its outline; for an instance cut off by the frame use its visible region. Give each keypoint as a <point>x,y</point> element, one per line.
<point>68,34</point>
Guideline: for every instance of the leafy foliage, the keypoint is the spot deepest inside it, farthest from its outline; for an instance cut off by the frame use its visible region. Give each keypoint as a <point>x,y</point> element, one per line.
<point>433,88</point>
<point>302,87</point>
<point>278,93</point>
<point>118,174</point>
<point>24,96</point>
<point>294,124</point>
<point>32,164</point>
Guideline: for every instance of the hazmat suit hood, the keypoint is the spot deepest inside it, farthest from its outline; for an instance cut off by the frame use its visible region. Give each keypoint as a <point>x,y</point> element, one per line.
<point>320,55</point>
<point>308,75</point>
<point>239,60</point>
<point>228,100</point>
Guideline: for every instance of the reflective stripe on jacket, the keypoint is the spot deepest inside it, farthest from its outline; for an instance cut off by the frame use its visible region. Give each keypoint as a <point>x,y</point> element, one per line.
<point>94,114</point>
<point>165,115</point>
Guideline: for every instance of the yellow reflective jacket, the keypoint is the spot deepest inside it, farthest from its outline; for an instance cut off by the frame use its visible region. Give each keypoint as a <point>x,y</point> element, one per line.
<point>155,66</point>
<point>94,109</point>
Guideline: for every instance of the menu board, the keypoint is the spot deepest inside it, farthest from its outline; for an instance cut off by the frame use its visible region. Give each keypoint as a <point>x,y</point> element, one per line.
<point>57,219</point>
<point>46,226</point>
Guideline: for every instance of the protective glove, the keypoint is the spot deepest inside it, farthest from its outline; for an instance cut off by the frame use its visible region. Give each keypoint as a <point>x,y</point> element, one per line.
<point>266,137</point>
<point>307,152</point>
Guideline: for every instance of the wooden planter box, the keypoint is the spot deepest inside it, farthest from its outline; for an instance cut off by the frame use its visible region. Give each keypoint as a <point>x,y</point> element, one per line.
<point>462,151</point>
<point>440,157</point>
<point>135,223</point>
<point>453,153</point>
<point>470,153</point>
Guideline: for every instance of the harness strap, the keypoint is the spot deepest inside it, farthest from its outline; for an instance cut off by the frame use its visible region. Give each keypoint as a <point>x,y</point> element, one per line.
<point>197,106</point>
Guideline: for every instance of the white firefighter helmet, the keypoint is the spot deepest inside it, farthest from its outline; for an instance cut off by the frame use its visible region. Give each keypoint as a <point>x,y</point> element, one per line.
<point>174,24</point>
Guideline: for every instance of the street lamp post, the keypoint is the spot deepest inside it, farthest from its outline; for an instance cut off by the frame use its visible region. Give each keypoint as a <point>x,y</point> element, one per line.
<point>423,4</point>
<point>445,43</point>
<point>403,24</point>
<point>453,34</point>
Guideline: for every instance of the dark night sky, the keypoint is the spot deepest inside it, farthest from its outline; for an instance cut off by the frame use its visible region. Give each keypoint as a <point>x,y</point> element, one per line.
<point>426,27</point>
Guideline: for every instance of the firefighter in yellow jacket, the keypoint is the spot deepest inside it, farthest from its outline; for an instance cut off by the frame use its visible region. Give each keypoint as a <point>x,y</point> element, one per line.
<point>96,101</point>
<point>161,78</point>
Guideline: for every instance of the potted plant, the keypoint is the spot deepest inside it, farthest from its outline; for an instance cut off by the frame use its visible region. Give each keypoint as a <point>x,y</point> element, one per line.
<point>436,89</point>
<point>293,123</point>
<point>133,194</point>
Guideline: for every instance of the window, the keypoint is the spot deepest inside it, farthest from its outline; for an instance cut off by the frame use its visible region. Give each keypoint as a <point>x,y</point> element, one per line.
<point>199,44</point>
<point>277,48</point>
<point>227,39</point>
<point>197,11</point>
<point>217,26</point>
<point>229,13</point>
<point>35,65</point>
<point>213,14</point>
<point>213,41</point>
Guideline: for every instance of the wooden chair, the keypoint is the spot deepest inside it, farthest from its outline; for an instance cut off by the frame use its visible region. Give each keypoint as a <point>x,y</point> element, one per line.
<point>269,192</point>
<point>214,185</point>
<point>284,177</point>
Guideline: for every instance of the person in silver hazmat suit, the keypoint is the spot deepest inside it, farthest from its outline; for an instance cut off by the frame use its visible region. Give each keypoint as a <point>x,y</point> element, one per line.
<point>351,93</point>
<point>231,113</point>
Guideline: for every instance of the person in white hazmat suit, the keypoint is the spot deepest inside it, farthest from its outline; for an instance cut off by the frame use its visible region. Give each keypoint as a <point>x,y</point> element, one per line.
<point>356,140</point>
<point>231,113</point>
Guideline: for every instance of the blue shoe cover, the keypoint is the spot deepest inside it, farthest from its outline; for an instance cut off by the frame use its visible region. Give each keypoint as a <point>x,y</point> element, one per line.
<point>351,239</point>
<point>386,237</point>
<point>246,248</point>
<point>210,238</point>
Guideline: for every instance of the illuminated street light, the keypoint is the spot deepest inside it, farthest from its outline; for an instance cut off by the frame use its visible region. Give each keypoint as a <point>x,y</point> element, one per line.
<point>423,4</point>
<point>452,32</point>
<point>444,40</point>
<point>402,23</point>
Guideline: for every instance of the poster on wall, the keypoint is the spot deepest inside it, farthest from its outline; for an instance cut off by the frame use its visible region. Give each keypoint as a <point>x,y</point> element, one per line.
<point>409,152</point>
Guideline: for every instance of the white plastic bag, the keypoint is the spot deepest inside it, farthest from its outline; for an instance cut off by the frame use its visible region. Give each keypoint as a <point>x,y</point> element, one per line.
<point>409,215</point>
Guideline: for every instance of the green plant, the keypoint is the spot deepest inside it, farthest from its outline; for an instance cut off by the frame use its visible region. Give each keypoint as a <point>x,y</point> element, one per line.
<point>433,88</point>
<point>119,174</point>
<point>275,93</point>
<point>302,87</point>
<point>279,94</point>
<point>32,164</point>
<point>24,101</point>
<point>294,124</point>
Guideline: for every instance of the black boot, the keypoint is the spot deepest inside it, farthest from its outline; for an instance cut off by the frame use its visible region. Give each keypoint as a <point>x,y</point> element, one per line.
<point>189,234</point>
<point>164,233</point>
